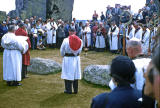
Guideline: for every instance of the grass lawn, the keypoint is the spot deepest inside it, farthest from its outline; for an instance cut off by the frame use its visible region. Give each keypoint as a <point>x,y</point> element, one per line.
<point>46,91</point>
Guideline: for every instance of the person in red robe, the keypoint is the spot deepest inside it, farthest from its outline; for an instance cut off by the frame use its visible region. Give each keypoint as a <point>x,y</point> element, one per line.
<point>21,31</point>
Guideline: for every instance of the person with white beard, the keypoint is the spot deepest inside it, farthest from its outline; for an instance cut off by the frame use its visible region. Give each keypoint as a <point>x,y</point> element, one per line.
<point>13,46</point>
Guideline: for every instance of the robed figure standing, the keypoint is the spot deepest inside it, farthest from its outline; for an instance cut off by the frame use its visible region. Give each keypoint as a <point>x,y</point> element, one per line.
<point>26,57</point>
<point>13,46</point>
<point>71,68</point>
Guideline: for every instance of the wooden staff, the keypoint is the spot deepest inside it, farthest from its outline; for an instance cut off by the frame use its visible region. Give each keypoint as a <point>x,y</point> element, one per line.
<point>124,41</point>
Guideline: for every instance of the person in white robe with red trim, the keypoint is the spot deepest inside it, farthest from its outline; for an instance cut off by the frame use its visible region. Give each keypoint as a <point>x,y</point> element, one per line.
<point>71,67</point>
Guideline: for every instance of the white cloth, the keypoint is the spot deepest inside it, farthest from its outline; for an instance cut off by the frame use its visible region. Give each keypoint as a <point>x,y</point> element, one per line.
<point>138,34</point>
<point>71,66</point>
<point>88,30</point>
<point>51,34</point>
<point>141,67</point>
<point>55,27</point>
<point>100,42</point>
<point>114,42</point>
<point>12,57</point>
<point>145,44</point>
<point>83,38</point>
<point>131,33</point>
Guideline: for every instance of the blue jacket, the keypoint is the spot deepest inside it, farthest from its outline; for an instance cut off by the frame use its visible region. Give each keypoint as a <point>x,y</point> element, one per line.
<point>120,97</point>
<point>3,30</point>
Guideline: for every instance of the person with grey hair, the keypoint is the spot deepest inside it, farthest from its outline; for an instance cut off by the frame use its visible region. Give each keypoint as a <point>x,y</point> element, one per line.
<point>134,51</point>
<point>12,56</point>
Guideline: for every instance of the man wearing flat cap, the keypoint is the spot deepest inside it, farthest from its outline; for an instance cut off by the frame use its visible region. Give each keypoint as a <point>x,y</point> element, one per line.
<point>123,96</point>
<point>71,68</point>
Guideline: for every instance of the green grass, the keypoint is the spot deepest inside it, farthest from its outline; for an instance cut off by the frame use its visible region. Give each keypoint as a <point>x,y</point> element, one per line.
<point>46,91</point>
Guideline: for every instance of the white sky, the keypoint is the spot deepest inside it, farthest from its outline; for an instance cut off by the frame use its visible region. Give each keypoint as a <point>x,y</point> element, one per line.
<point>7,5</point>
<point>84,9</point>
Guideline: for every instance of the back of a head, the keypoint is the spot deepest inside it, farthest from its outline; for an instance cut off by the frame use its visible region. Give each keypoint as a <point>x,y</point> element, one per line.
<point>123,70</point>
<point>134,47</point>
<point>11,28</point>
<point>134,42</point>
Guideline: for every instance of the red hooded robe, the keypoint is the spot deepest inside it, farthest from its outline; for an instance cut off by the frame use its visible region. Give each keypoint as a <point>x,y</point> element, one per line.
<point>26,56</point>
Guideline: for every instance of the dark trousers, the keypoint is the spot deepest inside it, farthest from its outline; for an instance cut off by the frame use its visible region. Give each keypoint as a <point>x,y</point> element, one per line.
<point>24,71</point>
<point>69,84</point>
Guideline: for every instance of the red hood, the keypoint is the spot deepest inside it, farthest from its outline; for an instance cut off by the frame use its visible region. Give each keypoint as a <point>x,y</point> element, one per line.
<point>74,42</point>
<point>21,32</point>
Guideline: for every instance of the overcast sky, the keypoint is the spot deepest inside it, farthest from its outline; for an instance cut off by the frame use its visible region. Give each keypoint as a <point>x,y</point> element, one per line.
<point>7,5</point>
<point>83,9</point>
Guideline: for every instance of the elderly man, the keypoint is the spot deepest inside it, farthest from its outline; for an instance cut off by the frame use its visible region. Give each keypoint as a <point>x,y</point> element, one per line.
<point>12,56</point>
<point>71,70</point>
<point>123,96</point>
<point>134,51</point>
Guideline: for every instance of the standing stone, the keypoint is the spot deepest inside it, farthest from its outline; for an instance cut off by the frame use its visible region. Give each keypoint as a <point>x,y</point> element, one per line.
<point>97,74</point>
<point>44,66</point>
<point>60,9</point>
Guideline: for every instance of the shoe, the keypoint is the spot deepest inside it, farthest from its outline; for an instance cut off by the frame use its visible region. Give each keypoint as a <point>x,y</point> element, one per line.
<point>9,83</point>
<point>17,84</point>
<point>67,92</point>
<point>75,92</point>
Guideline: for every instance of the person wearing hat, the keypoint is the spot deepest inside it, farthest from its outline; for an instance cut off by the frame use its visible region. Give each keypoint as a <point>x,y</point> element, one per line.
<point>71,68</point>
<point>26,57</point>
<point>123,96</point>
<point>113,37</point>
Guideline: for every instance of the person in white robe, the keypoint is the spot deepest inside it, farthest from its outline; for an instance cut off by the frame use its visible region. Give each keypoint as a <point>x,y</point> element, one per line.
<point>138,31</point>
<point>88,34</point>
<point>113,37</point>
<point>130,32</point>
<point>55,27</point>
<point>51,39</point>
<point>71,66</point>
<point>13,46</point>
<point>134,50</point>
<point>145,40</point>
<point>100,38</point>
